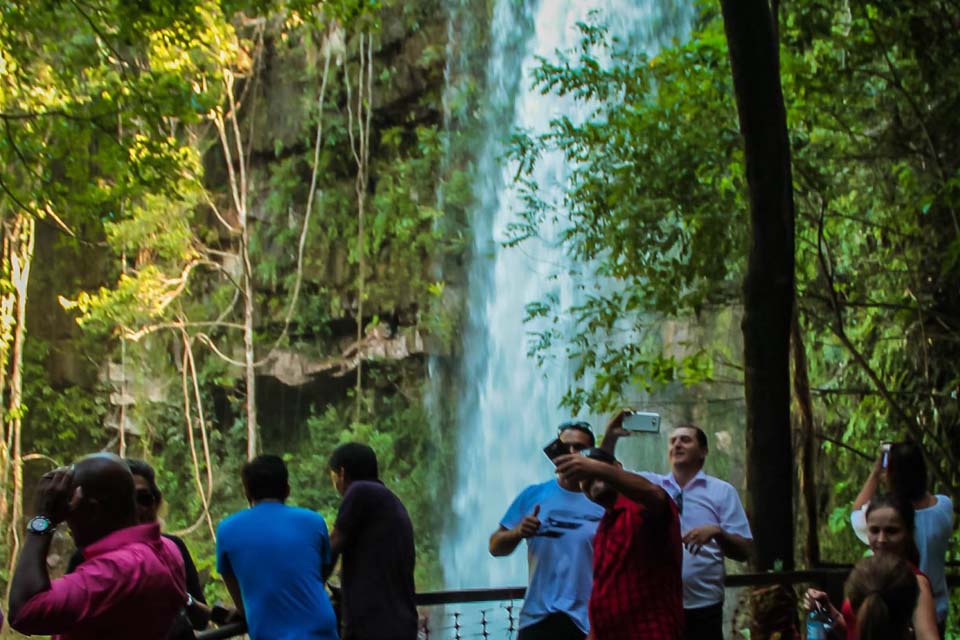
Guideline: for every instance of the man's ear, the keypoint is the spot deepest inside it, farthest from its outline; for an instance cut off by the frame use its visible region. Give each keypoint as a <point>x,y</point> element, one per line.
<point>76,498</point>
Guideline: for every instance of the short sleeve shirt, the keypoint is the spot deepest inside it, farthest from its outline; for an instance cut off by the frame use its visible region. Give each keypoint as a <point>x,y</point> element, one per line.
<point>637,584</point>
<point>932,529</point>
<point>560,555</point>
<point>277,554</point>
<point>378,563</point>
<point>705,501</point>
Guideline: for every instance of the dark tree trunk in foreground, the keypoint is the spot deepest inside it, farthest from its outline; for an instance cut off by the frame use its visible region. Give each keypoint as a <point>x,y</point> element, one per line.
<point>768,290</point>
<point>768,298</point>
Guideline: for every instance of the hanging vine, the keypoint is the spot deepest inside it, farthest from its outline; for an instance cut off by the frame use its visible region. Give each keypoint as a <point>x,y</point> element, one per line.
<point>360,147</point>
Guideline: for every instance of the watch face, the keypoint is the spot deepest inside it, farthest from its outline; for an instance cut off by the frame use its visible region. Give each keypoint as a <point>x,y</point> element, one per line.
<point>39,524</point>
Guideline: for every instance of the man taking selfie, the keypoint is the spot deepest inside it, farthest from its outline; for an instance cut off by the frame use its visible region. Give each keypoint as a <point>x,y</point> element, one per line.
<point>712,521</point>
<point>637,592</point>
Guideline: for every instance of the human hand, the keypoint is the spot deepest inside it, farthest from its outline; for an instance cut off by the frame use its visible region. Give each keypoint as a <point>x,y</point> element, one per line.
<point>878,467</point>
<point>615,426</point>
<point>530,524</point>
<point>694,539</point>
<point>814,596</point>
<point>54,493</point>
<point>234,616</point>
<point>575,467</point>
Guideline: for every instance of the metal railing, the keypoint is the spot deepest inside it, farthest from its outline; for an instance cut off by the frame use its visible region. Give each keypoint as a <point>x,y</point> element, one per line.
<point>492,622</point>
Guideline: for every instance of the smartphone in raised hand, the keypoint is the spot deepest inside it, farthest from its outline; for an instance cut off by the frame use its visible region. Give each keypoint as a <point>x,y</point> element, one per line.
<point>885,454</point>
<point>642,422</point>
<point>555,449</point>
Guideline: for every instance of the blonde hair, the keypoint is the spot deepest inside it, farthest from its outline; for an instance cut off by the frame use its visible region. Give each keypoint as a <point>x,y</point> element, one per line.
<point>883,593</point>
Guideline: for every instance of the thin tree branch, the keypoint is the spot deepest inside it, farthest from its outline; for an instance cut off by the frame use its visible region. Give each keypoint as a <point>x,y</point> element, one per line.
<point>188,415</point>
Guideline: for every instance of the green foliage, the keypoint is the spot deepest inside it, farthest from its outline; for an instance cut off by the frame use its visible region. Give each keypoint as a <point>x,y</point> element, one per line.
<point>58,422</point>
<point>657,123</point>
<point>107,110</point>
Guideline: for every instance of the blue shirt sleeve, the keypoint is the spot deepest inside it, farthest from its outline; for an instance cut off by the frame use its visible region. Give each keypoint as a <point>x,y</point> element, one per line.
<point>944,507</point>
<point>323,542</point>
<point>521,507</point>
<point>223,562</point>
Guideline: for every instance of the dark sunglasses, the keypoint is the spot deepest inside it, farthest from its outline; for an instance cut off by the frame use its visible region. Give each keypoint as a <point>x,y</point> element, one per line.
<point>145,498</point>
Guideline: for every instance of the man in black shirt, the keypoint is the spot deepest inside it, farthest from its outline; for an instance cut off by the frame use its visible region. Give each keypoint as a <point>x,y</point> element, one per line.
<point>374,534</point>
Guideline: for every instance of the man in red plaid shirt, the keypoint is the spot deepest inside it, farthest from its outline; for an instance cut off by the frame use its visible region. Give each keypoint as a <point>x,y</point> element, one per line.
<point>637,553</point>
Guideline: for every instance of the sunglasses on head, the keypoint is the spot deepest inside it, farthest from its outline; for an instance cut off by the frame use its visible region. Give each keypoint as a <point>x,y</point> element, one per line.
<point>145,498</point>
<point>579,425</point>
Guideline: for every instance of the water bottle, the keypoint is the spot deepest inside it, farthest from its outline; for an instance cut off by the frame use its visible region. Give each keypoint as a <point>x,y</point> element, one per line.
<point>818,623</point>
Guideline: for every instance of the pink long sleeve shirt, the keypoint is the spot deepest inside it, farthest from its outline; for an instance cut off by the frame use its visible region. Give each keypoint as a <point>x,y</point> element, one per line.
<point>130,584</point>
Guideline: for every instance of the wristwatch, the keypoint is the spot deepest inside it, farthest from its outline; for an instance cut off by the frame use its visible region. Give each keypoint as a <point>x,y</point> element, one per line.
<point>41,524</point>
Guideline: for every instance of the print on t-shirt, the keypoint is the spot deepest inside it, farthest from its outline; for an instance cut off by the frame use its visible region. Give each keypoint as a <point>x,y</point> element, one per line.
<point>560,522</point>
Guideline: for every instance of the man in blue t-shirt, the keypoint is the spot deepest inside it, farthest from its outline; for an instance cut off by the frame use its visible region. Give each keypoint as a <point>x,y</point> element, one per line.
<point>273,557</point>
<point>558,522</point>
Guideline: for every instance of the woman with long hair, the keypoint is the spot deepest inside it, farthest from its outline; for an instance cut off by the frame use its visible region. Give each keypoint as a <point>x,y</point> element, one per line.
<point>890,532</point>
<point>882,592</point>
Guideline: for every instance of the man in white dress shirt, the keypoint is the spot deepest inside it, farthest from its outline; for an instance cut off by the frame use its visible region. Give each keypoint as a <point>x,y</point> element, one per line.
<point>712,522</point>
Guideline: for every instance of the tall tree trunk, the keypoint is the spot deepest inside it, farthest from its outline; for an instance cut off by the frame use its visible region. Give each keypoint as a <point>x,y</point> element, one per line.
<point>21,259</point>
<point>768,296</point>
<point>769,284</point>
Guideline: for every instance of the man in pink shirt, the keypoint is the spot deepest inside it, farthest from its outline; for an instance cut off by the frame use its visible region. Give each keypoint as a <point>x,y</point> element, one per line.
<point>131,582</point>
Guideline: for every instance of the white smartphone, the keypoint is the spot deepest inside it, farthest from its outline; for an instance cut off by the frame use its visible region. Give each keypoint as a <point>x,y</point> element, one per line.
<point>642,422</point>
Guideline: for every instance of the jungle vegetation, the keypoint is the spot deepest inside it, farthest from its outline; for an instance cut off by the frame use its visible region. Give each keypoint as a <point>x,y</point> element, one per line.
<point>205,204</point>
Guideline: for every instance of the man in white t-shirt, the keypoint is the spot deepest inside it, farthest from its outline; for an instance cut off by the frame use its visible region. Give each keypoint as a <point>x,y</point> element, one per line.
<point>558,523</point>
<point>712,522</point>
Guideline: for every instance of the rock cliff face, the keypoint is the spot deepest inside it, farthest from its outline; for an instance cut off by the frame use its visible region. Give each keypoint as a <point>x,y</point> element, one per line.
<point>407,122</point>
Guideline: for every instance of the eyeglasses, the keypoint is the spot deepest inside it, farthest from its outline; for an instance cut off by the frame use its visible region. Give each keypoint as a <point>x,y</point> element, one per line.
<point>145,498</point>
<point>679,500</point>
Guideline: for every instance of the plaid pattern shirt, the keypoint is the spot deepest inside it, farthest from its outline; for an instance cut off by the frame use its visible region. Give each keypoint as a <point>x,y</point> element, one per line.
<point>637,586</point>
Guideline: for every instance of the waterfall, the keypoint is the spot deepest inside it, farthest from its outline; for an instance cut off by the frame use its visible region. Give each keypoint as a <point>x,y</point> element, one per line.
<point>508,404</point>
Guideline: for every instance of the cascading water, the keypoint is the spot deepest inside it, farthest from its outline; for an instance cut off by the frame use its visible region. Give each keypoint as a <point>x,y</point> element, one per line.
<point>508,406</point>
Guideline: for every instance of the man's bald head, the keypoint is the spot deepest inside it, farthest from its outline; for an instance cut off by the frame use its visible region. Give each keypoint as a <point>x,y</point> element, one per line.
<point>105,500</point>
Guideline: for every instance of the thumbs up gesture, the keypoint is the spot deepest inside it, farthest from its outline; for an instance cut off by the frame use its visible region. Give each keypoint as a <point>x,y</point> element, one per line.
<point>530,524</point>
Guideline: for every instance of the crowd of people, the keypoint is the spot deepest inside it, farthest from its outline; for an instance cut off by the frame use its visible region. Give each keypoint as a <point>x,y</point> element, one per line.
<point>651,563</point>
<point>909,527</point>
<point>613,554</point>
<point>129,580</point>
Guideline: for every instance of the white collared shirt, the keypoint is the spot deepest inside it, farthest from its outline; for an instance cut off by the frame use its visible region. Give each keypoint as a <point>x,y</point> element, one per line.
<point>705,501</point>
